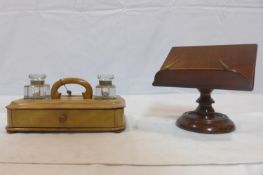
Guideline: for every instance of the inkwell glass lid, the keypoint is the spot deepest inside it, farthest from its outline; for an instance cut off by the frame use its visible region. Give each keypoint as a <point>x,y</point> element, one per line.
<point>105,79</point>
<point>37,79</point>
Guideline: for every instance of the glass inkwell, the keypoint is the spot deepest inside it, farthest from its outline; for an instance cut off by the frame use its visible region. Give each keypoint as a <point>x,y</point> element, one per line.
<point>37,88</point>
<point>105,90</point>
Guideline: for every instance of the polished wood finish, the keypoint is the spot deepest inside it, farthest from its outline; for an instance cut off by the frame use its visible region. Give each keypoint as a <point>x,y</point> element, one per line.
<point>64,129</point>
<point>86,95</point>
<point>230,67</point>
<point>204,119</point>
<point>65,102</point>
<point>63,118</point>
<point>66,113</point>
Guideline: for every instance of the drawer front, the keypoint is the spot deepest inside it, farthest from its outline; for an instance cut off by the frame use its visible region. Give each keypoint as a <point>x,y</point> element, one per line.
<point>64,118</point>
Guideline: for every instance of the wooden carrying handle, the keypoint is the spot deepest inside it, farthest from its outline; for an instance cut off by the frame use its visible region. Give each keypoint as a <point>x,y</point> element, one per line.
<point>56,95</point>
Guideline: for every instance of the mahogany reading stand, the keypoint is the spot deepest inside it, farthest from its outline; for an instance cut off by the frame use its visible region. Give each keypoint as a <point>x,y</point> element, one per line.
<point>229,67</point>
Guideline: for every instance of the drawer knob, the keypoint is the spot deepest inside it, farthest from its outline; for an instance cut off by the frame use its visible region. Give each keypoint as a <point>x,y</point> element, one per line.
<point>63,118</point>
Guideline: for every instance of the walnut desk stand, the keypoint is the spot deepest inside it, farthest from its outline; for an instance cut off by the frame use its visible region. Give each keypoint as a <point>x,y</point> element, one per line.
<point>230,67</point>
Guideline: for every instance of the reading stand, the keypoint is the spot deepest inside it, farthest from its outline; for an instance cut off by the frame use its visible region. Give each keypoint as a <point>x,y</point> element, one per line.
<point>229,67</point>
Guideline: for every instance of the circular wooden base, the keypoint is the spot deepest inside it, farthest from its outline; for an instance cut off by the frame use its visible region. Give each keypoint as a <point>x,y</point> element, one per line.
<point>213,123</point>
<point>204,119</point>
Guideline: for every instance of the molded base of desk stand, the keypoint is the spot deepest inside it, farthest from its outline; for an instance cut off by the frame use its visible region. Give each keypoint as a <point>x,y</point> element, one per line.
<point>204,119</point>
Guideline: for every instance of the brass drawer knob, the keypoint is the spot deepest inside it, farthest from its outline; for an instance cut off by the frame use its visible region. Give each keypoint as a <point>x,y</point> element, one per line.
<point>63,118</point>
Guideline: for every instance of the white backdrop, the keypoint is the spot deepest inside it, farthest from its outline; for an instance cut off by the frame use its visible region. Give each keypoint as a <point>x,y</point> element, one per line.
<point>128,38</point>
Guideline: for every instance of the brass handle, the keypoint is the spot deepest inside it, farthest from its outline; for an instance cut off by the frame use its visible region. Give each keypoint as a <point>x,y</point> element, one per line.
<point>63,118</point>
<point>56,95</point>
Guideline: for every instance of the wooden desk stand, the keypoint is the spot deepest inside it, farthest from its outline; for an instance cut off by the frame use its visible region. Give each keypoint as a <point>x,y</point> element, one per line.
<point>230,67</point>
